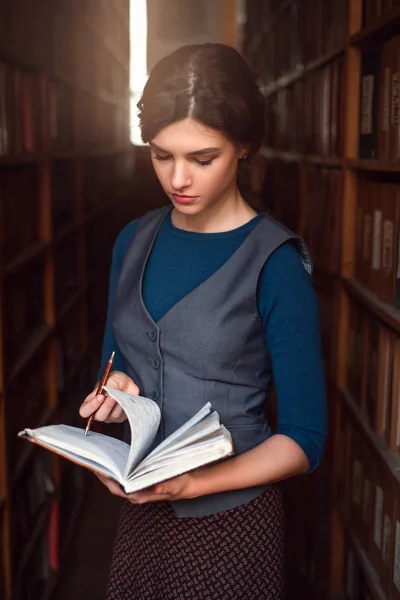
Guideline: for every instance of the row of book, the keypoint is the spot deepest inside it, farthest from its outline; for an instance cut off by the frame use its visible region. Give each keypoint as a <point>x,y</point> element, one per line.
<point>32,391</point>
<point>19,196</point>
<point>320,210</point>
<point>97,121</point>
<point>281,40</point>
<point>103,179</point>
<point>368,496</point>
<point>19,111</point>
<point>30,499</point>
<point>377,233</point>
<point>307,115</point>
<point>379,133</point>
<point>323,217</point>
<point>374,9</point>
<point>23,309</point>
<point>308,514</point>
<point>374,373</point>
<point>40,520</point>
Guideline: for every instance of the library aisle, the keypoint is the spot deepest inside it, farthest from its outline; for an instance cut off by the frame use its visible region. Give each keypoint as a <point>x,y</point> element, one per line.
<point>70,179</point>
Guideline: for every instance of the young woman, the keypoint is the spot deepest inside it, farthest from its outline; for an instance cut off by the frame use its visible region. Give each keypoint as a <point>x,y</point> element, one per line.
<point>211,301</point>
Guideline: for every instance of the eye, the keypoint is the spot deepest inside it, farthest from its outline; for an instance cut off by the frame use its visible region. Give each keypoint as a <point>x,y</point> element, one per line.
<point>162,156</point>
<point>203,163</point>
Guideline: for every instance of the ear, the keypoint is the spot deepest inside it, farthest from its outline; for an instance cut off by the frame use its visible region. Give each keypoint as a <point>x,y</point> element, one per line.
<point>243,152</point>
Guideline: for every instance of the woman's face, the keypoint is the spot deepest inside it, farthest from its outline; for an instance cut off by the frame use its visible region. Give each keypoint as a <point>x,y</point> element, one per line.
<point>195,165</point>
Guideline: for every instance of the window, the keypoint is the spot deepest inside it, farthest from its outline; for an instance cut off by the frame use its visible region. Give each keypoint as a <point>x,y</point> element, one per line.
<point>138,64</point>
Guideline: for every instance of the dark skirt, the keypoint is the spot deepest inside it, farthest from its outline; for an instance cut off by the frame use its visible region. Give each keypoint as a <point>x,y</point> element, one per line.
<point>238,553</point>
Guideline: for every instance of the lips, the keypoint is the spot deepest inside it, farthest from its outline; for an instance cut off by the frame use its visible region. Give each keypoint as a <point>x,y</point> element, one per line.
<point>183,199</point>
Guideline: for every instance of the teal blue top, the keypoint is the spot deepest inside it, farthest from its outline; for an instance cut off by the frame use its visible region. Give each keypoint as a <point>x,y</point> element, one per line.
<point>181,260</point>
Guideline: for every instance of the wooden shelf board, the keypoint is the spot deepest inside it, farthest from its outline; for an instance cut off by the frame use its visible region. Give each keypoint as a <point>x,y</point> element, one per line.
<point>30,449</point>
<point>271,153</point>
<point>381,29</point>
<point>383,166</point>
<point>71,302</point>
<point>324,161</point>
<point>368,569</point>
<point>34,344</point>
<point>7,160</point>
<point>10,161</point>
<point>37,530</point>
<point>383,311</point>
<point>391,459</point>
<point>291,78</point>
<point>65,232</point>
<point>25,257</point>
<point>314,159</point>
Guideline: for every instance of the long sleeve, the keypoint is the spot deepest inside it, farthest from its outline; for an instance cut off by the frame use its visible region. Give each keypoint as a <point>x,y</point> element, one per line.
<point>119,250</point>
<point>289,310</point>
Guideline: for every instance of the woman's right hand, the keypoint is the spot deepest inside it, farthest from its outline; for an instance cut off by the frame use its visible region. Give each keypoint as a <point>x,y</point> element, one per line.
<point>104,407</point>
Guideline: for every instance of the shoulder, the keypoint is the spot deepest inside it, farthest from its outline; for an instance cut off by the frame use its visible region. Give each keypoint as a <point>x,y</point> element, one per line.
<point>285,262</point>
<point>289,246</point>
<point>285,283</point>
<point>124,240</point>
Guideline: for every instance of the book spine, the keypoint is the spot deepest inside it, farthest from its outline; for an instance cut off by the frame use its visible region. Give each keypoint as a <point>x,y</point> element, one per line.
<point>369,104</point>
<point>395,101</point>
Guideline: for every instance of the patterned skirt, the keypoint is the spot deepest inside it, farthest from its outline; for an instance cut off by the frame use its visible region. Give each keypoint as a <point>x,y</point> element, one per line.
<point>238,553</point>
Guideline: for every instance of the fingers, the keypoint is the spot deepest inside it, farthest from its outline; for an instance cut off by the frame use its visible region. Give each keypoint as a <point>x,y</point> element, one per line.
<point>111,485</point>
<point>90,405</point>
<point>103,407</point>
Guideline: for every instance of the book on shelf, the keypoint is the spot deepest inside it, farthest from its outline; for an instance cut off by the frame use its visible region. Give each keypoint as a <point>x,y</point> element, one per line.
<point>377,239</point>
<point>199,441</point>
<point>379,127</point>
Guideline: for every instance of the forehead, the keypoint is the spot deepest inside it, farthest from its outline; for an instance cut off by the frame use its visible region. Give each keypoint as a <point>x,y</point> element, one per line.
<point>188,136</point>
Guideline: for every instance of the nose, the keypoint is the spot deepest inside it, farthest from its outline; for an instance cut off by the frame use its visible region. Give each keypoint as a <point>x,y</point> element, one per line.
<point>180,176</point>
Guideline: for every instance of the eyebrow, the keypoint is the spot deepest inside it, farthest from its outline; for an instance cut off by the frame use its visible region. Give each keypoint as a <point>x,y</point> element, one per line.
<point>194,153</point>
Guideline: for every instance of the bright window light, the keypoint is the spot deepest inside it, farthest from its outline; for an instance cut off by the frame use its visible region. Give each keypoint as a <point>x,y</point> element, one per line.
<point>138,63</point>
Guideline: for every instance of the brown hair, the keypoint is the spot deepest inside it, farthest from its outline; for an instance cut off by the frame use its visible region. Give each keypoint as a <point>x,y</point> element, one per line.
<point>210,83</point>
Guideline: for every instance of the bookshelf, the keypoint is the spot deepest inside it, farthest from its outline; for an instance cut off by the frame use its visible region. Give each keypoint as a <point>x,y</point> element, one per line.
<point>66,167</point>
<point>330,73</point>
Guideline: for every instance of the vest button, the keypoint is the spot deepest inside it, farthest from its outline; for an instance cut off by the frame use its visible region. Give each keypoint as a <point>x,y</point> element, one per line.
<point>152,335</point>
<point>155,395</point>
<point>155,363</point>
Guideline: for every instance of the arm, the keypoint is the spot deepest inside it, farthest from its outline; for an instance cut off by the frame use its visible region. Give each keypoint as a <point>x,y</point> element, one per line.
<point>105,408</point>
<point>289,310</point>
<point>288,307</point>
<point>109,343</point>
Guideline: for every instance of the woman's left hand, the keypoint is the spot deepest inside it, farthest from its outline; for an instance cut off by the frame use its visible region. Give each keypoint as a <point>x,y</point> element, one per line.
<point>173,489</point>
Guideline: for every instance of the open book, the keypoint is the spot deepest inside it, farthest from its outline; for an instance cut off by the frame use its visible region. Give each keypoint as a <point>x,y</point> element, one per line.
<point>199,441</point>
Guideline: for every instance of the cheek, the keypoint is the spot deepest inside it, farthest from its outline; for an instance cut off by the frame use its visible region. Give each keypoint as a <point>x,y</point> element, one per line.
<point>222,174</point>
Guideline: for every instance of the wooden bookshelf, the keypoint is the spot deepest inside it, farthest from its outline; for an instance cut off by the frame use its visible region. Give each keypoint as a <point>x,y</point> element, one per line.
<point>332,173</point>
<point>66,166</point>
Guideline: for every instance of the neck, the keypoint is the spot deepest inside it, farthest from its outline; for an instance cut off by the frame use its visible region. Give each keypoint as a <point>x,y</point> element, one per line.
<point>228,213</point>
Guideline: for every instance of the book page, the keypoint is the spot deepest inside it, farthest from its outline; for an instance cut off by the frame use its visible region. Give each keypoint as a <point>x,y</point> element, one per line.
<point>207,444</point>
<point>97,448</point>
<point>196,433</point>
<point>144,418</point>
<point>182,465</point>
<point>181,431</point>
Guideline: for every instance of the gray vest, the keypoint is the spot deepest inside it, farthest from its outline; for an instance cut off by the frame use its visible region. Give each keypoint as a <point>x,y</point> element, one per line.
<point>210,346</point>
